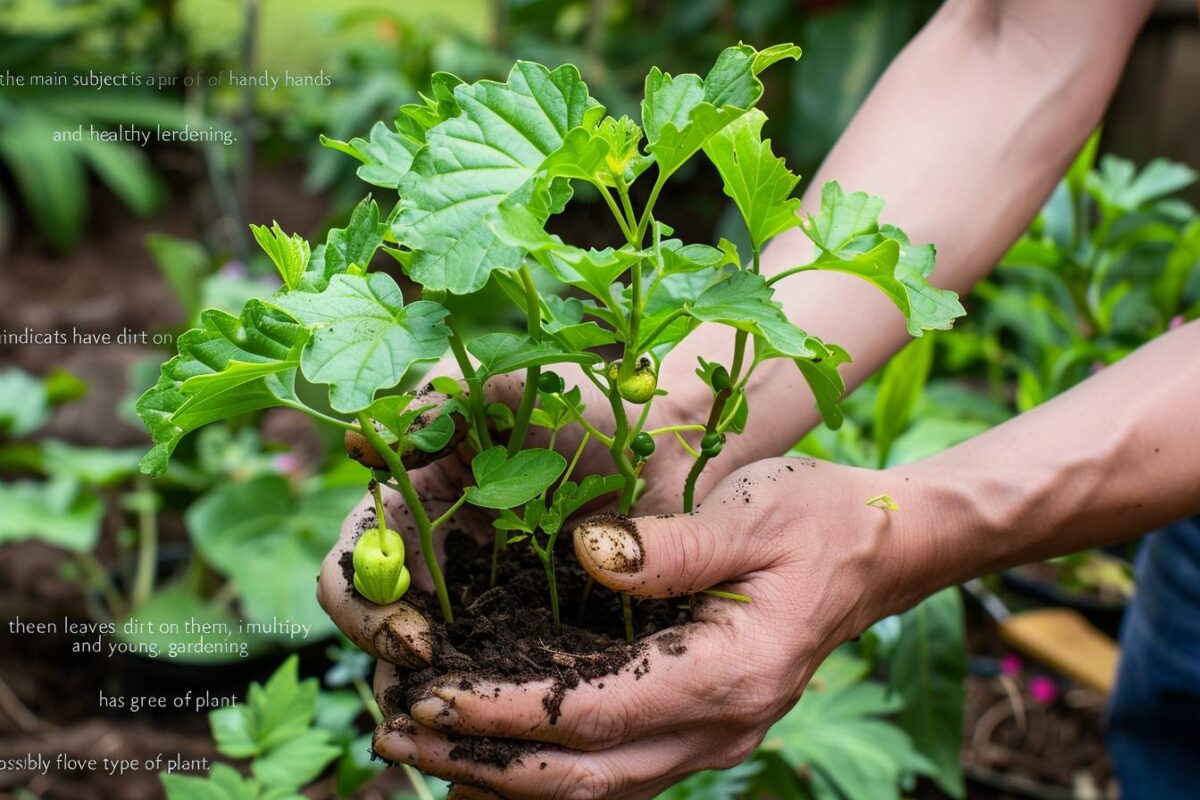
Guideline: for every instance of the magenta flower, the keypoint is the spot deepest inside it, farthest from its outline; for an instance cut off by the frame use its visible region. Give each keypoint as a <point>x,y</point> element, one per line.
<point>1043,689</point>
<point>1011,665</point>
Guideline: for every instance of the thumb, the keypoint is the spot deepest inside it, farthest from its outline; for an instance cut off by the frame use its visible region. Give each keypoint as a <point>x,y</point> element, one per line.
<point>671,555</point>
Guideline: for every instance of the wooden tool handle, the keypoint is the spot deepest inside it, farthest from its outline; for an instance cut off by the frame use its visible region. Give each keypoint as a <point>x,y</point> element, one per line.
<point>1062,639</point>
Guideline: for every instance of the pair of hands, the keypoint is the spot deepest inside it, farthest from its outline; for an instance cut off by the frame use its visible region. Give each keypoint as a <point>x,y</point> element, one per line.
<point>793,534</point>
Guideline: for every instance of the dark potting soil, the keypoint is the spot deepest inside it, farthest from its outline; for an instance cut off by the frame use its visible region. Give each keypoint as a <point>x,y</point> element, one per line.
<point>506,635</point>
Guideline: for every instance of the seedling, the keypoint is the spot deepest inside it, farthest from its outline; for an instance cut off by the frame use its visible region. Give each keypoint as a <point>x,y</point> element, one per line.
<point>480,168</point>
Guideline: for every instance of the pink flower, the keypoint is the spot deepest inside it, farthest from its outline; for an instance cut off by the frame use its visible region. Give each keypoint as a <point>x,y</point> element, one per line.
<point>233,269</point>
<point>1176,322</point>
<point>1043,689</point>
<point>1097,366</point>
<point>285,463</point>
<point>1011,665</point>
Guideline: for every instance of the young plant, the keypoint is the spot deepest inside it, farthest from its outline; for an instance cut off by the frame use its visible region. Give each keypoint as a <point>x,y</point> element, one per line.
<point>480,169</point>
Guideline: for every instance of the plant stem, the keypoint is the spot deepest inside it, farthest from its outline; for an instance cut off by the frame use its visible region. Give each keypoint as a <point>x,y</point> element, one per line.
<point>616,212</point>
<point>449,512</point>
<point>499,542</point>
<point>420,517</point>
<point>380,514</point>
<point>99,579</point>
<point>474,386</point>
<point>547,558</point>
<point>771,281</point>
<point>533,311</point>
<point>649,209</point>
<point>627,614</point>
<point>714,419</point>
<point>674,429</point>
<point>147,548</point>
<point>589,427</point>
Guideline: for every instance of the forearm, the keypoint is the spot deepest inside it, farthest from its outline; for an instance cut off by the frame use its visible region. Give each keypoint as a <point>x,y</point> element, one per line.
<point>1113,458</point>
<point>964,137</point>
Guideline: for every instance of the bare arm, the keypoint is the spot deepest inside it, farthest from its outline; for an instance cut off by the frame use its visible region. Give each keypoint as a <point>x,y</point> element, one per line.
<point>1114,457</point>
<point>964,137</point>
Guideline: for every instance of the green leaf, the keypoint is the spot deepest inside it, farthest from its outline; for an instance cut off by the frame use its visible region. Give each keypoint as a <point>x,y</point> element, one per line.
<point>264,528</point>
<point>758,182</point>
<point>59,512</point>
<point>848,232</point>
<point>229,366</point>
<point>572,496</point>
<point>223,783</point>
<point>386,155</point>
<point>680,114</point>
<point>928,669</point>
<point>24,405</point>
<point>842,217</point>
<point>353,246</point>
<point>821,374</point>
<point>475,161</point>
<point>272,715</point>
<point>744,301</point>
<point>500,353</point>
<point>289,254</point>
<point>91,466</point>
<point>1118,185</point>
<point>363,336</point>
<point>178,604</point>
<point>296,762</point>
<point>185,264</point>
<point>729,784</point>
<point>900,388</point>
<point>504,482</point>
<point>434,436</point>
<point>839,733</point>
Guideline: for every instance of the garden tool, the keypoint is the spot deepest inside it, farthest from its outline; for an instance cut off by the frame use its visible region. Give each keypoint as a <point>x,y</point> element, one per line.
<point>1060,638</point>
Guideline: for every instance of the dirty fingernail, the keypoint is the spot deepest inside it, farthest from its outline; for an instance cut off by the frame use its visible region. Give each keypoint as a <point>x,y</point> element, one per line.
<point>403,638</point>
<point>435,713</point>
<point>609,542</point>
<point>393,740</point>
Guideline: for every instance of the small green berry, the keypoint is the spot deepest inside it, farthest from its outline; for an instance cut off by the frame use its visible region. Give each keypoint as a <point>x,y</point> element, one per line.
<point>642,445</point>
<point>720,378</point>
<point>551,383</point>
<point>640,386</point>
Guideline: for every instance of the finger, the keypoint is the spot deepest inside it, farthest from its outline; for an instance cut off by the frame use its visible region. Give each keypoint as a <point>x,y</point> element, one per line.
<point>398,633</point>
<point>463,792</point>
<point>541,772</point>
<point>676,679</point>
<point>730,537</point>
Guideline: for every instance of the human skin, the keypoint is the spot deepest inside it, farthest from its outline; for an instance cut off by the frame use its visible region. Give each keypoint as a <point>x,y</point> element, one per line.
<point>820,565</point>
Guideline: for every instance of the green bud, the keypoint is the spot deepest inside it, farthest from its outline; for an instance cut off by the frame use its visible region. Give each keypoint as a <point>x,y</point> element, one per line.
<point>711,444</point>
<point>720,378</point>
<point>642,445</point>
<point>551,383</point>
<point>379,571</point>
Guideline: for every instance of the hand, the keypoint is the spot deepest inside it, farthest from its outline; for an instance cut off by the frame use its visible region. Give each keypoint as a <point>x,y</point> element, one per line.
<point>795,535</point>
<point>399,633</point>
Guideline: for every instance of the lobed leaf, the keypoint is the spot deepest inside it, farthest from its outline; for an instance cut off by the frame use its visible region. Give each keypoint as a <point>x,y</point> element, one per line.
<point>363,338</point>
<point>228,366</point>
<point>680,114</point>
<point>475,161</point>
<point>756,179</point>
